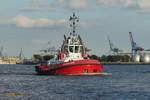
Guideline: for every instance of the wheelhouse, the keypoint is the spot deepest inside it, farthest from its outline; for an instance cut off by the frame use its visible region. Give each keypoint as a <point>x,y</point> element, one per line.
<point>73,49</point>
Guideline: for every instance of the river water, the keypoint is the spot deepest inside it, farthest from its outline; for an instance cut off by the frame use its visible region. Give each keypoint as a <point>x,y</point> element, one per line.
<point>127,82</point>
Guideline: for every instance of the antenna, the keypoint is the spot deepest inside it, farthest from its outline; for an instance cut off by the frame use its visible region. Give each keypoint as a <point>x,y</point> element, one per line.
<point>73,19</point>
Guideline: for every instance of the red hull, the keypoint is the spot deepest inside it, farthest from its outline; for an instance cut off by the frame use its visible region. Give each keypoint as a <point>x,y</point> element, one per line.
<point>79,67</point>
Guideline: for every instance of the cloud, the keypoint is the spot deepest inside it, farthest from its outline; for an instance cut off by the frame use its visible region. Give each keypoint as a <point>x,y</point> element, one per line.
<point>38,5</point>
<point>144,6</point>
<point>35,5</point>
<point>73,4</point>
<point>137,5</point>
<point>78,4</point>
<point>25,22</point>
<point>108,2</point>
<point>129,4</point>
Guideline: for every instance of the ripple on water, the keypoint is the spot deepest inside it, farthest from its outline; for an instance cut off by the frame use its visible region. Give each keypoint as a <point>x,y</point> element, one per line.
<point>20,82</point>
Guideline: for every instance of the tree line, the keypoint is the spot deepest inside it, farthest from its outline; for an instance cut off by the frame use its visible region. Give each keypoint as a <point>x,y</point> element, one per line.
<point>111,58</point>
<point>103,58</point>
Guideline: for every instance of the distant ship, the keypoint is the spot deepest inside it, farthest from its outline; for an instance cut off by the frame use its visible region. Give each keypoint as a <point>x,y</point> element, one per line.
<point>7,59</point>
<point>72,59</point>
<point>44,54</point>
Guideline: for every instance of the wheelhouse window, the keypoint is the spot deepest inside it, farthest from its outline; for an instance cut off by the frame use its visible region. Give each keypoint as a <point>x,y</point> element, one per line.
<point>66,49</point>
<point>76,49</point>
<point>81,49</point>
<point>71,48</point>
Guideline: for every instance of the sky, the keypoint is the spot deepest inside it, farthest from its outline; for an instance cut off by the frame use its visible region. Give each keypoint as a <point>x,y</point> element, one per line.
<point>30,24</point>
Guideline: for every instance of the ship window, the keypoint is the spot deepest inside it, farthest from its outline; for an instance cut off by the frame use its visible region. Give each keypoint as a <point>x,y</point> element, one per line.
<point>81,49</point>
<point>76,49</point>
<point>71,49</point>
<point>85,71</point>
<point>66,49</point>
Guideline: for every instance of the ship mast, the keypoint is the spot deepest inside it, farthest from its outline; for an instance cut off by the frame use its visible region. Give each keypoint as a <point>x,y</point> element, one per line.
<point>73,19</point>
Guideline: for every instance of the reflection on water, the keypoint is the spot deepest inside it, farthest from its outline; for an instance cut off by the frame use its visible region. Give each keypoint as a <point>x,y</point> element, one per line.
<point>20,82</point>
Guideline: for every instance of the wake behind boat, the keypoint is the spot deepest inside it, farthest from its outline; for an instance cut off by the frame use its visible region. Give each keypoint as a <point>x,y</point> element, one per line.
<point>72,58</point>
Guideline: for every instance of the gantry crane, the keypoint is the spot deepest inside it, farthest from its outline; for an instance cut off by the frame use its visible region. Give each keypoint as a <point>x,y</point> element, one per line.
<point>114,49</point>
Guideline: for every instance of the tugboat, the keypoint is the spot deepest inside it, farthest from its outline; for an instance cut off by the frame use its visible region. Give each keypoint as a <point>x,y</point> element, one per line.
<point>72,58</point>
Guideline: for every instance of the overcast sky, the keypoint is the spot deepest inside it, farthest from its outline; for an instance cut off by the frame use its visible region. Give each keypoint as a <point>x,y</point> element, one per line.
<point>30,24</point>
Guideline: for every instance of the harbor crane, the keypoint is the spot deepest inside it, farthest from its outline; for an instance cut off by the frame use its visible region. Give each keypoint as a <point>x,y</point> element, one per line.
<point>21,55</point>
<point>134,46</point>
<point>114,49</point>
<point>136,50</point>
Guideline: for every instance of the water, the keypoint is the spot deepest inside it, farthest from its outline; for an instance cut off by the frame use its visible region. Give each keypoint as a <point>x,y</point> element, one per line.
<point>20,82</point>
